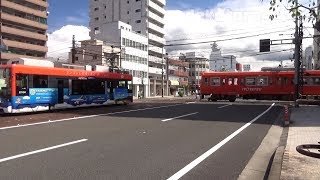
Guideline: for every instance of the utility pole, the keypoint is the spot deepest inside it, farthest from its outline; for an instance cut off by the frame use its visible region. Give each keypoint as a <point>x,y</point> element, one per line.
<point>297,42</point>
<point>162,78</point>
<point>73,50</point>
<point>112,59</point>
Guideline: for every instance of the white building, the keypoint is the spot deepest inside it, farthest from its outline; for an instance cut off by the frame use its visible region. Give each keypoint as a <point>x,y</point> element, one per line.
<point>246,67</point>
<point>221,63</point>
<point>147,18</point>
<point>308,61</point>
<point>134,56</point>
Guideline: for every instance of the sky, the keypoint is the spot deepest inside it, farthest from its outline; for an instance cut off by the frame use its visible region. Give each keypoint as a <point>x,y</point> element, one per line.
<point>193,21</point>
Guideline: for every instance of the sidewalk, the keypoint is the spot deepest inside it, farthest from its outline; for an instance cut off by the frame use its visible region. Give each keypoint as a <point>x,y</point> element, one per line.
<point>304,129</point>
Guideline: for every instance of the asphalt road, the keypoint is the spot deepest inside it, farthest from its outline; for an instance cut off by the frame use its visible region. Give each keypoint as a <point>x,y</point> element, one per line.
<point>137,143</point>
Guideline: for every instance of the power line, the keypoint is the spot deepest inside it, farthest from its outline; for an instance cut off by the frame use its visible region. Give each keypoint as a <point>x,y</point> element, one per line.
<point>220,40</point>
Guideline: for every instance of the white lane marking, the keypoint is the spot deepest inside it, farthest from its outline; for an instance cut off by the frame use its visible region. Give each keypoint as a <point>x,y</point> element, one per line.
<point>165,120</point>
<point>197,161</point>
<point>190,102</point>
<point>41,150</point>
<point>225,106</point>
<point>83,117</point>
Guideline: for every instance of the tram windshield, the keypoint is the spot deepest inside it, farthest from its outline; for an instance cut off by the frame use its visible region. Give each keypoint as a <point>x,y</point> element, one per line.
<point>5,88</point>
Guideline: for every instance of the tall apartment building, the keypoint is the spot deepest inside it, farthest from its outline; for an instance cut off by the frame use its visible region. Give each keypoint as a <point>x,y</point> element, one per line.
<point>146,17</point>
<point>23,29</point>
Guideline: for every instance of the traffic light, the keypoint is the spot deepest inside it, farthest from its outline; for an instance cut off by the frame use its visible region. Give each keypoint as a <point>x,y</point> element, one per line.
<point>264,45</point>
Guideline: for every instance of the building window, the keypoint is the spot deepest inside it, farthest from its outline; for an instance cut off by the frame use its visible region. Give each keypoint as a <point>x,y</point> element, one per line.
<point>96,9</point>
<point>139,32</point>
<point>138,10</point>
<point>124,41</point>
<point>128,2</point>
<point>97,19</point>
<point>95,57</point>
<point>138,21</point>
<point>138,0</point>
<point>128,12</point>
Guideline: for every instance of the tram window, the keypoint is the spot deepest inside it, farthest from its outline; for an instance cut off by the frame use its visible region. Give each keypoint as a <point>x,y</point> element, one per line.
<point>242,81</point>
<point>22,85</point>
<point>230,81</point>
<point>270,81</point>
<point>235,81</point>
<point>223,81</point>
<point>206,81</point>
<point>316,81</point>
<point>40,81</point>
<point>80,87</point>
<point>305,81</point>
<point>285,81</point>
<point>263,81</point>
<point>278,81</point>
<point>215,81</point>
<point>251,81</point>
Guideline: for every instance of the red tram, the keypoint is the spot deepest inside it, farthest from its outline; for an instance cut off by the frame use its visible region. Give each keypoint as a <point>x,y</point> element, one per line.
<point>273,85</point>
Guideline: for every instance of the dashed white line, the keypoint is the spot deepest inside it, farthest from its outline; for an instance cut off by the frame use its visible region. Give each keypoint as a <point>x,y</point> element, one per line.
<point>190,102</point>
<point>225,106</point>
<point>197,161</point>
<point>83,117</point>
<point>165,120</point>
<point>41,150</point>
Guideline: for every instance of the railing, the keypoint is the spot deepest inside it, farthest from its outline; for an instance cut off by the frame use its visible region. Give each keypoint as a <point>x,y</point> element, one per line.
<point>156,28</point>
<point>156,17</point>
<point>156,7</point>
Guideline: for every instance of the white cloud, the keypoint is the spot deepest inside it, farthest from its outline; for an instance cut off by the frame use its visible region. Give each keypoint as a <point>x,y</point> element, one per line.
<point>60,41</point>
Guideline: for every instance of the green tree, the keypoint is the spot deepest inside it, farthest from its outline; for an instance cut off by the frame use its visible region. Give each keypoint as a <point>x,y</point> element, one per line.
<point>295,9</point>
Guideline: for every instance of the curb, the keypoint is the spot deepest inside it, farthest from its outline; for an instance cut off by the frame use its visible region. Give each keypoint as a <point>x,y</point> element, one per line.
<point>276,162</point>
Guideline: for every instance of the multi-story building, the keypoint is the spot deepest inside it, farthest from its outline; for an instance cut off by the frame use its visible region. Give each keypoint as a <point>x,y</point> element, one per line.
<point>246,67</point>
<point>23,29</point>
<point>94,52</point>
<point>307,61</point>
<point>147,18</point>
<point>134,56</point>
<point>222,63</point>
<point>178,73</point>
<point>197,65</point>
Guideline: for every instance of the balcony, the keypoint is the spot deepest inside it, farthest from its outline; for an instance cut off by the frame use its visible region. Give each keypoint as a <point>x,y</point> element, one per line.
<point>11,56</point>
<point>27,46</point>
<point>156,28</point>
<point>156,59</point>
<point>157,39</point>
<point>40,3</point>
<point>25,9</point>
<point>178,63</point>
<point>24,21</point>
<point>156,17</point>
<point>153,70</point>
<point>163,2</point>
<point>156,7</point>
<point>28,34</point>
<point>157,49</point>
